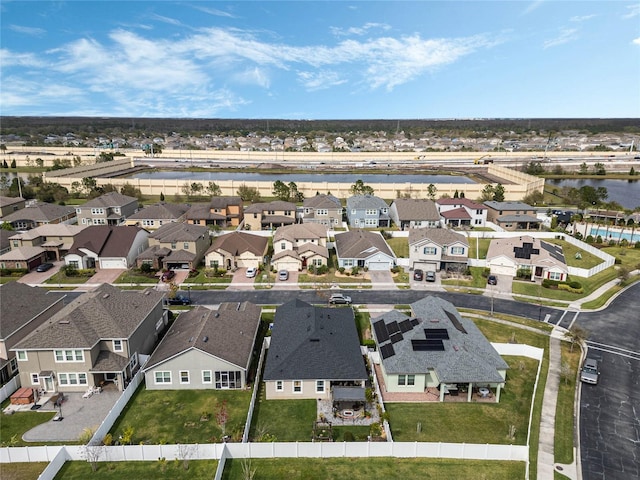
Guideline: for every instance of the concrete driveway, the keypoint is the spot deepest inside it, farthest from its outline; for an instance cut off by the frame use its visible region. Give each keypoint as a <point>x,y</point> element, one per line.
<point>381,280</point>
<point>106,275</point>
<point>36,278</point>
<point>289,284</point>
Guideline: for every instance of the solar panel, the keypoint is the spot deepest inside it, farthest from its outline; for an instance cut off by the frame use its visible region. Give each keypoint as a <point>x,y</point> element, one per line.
<point>456,323</point>
<point>436,333</point>
<point>405,326</point>
<point>396,337</point>
<point>415,321</point>
<point>381,331</point>
<point>387,351</point>
<point>393,327</point>
<point>427,345</point>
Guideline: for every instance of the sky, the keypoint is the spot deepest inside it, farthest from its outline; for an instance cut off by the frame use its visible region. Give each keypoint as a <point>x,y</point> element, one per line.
<point>321,60</point>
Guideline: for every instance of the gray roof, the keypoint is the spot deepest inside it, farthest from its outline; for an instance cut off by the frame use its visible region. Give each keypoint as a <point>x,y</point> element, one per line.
<point>540,252</point>
<point>200,211</point>
<point>179,232</point>
<point>109,200</point>
<point>228,333</point>
<point>362,202</point>
<point>276,206</point>
<point>4,238</point>
<point>518,218</point>
<point>161,211</point>
<point>104,313</point>
<point>6,201</point>
<point>416,209</point>
<point>467,356</point>
<point>41,212</point>
<point>440,236</point>
<point>322,201</point>
<point>300,231</point>
<point>310,342</point>
<point>508,206</point>
<point>358,243</point>
<point>20,303</point>
<point>237,243</point>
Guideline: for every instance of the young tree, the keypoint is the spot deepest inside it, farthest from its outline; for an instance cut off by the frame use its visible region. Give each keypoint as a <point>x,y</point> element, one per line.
<point>213,189</point>
<point>186,453</point>
<point>498,193</point>
<point>294,193</point>
<point>599,169</point>
<point>432,191</point>
<point>13,163</point>
<point>487,193</point>
<point>359,188</point>
<point>248,194</point>
<point>161,196</point>
<point>281,190</point>
<point>576,334</point>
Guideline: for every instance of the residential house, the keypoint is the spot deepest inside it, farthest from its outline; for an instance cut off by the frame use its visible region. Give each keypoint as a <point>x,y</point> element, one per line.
<point>462,212</point>
<point>363,249</point>
<point>527,257</point>
<point>414,213</point>
<point>323,209</point>
<point>512,216</point>
<point>435,249</point>
<point>23,258</point>
<point>269,216</point>
<point>367,211</point>
<point>5,244</point>
<point>312,350</point>
<point>37,214</point>
<point>154,216</point>
<point>10,204</point>
<point>206,349</point>
<point>22,309</point>
<point>434,352</point>
<point>220,212</point>
<point>237,250</point>
<point>107,246</point>
<point>112,208</point>
<point>95,340</point>
<point>56,238</point>
<point>296,247</point>
<point>176,246</point>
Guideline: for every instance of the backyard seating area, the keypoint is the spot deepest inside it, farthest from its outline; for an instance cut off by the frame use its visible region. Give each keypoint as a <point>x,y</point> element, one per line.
<point>91,391</point>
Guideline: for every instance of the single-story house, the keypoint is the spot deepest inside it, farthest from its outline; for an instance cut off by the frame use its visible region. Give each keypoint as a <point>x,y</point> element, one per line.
<point>363,249</point>
<point>107,246</point>
<point>527,256</point>
<point>237,250</point>
<point>414,213</point>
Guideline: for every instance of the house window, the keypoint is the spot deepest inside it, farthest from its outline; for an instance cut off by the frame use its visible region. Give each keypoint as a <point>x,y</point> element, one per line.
<point>13,365</point>
<point>371,222</point>
<point>162,377</point>
<point>78,211</point>
<point>279,386</point>
<point>74,264</point>
<point>411,379</point>
<point>283,246</point>
<point>133,363</point>
<point>347,262</point>
<point>555,276</point>
<point>68,355</point>
<point>418,223</point>
<point>477,221</point>
<point>322,211</point>
<point>117,345</point>
<point>16,243</point>
<point>148,223</point>
<point>353,211</point>
<point>228,380</point>
<point>184,376</point>
<point>429,250</point>
<point>97,211</point>
<point>185,245</point>
<point>319,386</point>
<point>297,386</point>
<point>457,250</point>
<point>173,245</point>
<point>21,355</point>
<point>72,378</point>
<point>206,376</point>
<point>371,211</point>
<point>213,264</point>
<point>35,379</point>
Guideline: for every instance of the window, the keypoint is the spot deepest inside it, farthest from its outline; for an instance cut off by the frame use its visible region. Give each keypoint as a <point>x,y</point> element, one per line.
<point>322,211</point>
<point>74,264</point>
<point>411,379</point>
<point>213,264</point>
<point>371,222</point>
<point>206,376</point>
<point>406,380</point>
<point>133,363</point>
<point>429,250</point>
<point>283,246</point>
<point>184,376</point>
<point>418,223</point>
<point>21,355</point>
<point>173,245</point>
<point>35,379</point>
<point>319,386</point>
<point>279,386</point>
<point>228,380</point>
<point>97,211</point>
<point>16,243</point>
<point>457,250</point>
<point>13,365</point>
<point>72,378</point>
<point>78,211</point>
<point>117,345</point>
<point>69,355</point>
<point>402,379</point>
<point>371,211</point>
<point>297,386</point>
<point>347,262</point>
<point>185,245</point>
<point>162,377</point>
<point>148,223</point>
<point>555,276</point>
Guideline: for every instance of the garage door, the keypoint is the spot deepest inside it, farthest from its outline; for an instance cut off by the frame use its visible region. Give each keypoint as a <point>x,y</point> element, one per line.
<point>502,270</point>
<point>427,267</point>
<point>379,266</point>
<point>289,266</point>
<point>106,264</point>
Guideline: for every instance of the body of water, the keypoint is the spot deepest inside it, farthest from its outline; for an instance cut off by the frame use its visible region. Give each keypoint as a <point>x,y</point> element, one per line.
<point>625,192</point>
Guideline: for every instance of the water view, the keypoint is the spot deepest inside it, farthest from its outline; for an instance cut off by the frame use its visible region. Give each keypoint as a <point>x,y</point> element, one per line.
<point>625,192</point>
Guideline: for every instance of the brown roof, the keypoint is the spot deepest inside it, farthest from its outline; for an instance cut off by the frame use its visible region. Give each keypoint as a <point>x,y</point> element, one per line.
<point>276,206</point>
<point>416,209</point>
<point>179,232</point>
<point>161,211</point>
<point>300,231</point>
<point>20,303</point>
<point>322,201</point>
<point>441,236</point>
<point>238,242</point>
<point>105,240</point>
<point>358,243</point>
<point>41,212</point>
<point>457,213</point>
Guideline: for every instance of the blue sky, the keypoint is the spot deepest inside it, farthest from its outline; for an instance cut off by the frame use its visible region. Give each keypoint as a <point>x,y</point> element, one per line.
<point>321,60</point>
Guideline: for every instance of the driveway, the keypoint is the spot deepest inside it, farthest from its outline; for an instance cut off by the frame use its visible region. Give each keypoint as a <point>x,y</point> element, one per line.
<point>381,280</point>
<point>290,284</point>
<point>106,275</point>
<point>36,278</point>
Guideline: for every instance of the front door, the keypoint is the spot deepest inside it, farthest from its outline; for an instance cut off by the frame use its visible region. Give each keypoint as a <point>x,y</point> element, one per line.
<point>48,384</point>
<point>538,271</point>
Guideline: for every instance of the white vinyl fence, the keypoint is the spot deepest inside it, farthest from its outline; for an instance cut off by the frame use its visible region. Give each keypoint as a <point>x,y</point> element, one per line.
<point>8,388</point>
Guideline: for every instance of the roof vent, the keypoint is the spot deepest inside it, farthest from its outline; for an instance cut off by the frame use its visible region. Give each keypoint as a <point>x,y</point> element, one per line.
<point>106,295</point>
<point>190,339</point>
<point>64,322</point>
<point>434,320</point>
<point>205,339</point>
<point>217,315</point>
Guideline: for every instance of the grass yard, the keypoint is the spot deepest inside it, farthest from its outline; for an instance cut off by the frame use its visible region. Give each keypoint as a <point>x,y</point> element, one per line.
<point>12,427</point>
<point>368,468</point>
<point>587,261</point>
<point>198,469</point>
<point>477,280</point>
<point>478,248</point>
<point>563,439</point>
<point>9,279</point>
<point>182,416</point>
<point>204,276</point>
<point>602,299</point>
<point>61,278</point>
<point>22,471</point>
<point>630,257</point>
<point>589,285</point>
<point>133,277</point>
<point>282,420</point>
<point>400,246</point>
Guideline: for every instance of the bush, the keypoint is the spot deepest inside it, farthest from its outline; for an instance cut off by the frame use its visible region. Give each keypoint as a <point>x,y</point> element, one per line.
<point>355,270</point>
<point>589,239</point>
<point>13,272</point>
<point>618,261</point>
<point>69,271</point>
<point>485,272</point>
<point>348,437</point>
<point>369,343</point>
<point>395,269</point>
<point>341,270</point>
<point>146,268</point>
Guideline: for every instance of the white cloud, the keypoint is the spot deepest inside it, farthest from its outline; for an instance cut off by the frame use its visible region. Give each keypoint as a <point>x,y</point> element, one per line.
<point>581,18</point>
<point>12,59</point>
<point>168,20</point>
<point>532,6</point>
<point>636,41</point>
<point>320,80</point>
<point>253,76</point>
<point>214,11</point>
<point>566,35</point>
<point>633,11</point>
<point>31,31</point>
<point>341,32</point>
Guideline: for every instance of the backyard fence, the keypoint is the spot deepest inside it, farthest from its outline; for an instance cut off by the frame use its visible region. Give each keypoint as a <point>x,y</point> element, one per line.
<point>8,388</point>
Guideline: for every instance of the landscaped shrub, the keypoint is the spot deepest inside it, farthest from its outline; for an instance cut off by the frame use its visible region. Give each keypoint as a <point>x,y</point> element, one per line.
<point>395,269</point>
<point>485,272</point>
<point>568,288</point>
<point>341,270</point>
<point>355,270</point>
<point>69,271</point>
<point>369,343</point>
<point>13,272</point>
<point>574,284</point>
<point>146,268</point>
<point>589,239</point>
<point>348,437</point>
<point>599,239</point>
<point>523,273</point>
<point>624,242</point>
<point>618,261</point>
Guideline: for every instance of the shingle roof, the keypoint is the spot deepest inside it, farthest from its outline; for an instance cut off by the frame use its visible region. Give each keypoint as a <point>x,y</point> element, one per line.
<point>461,201</point>
<point>322,201</point>
<point>467,355</point>
<point>547,253</point>
<point>41,212</point>
<point>227,333</point>
<point>179,232</point>
<point>310,342</point>
<point>300,231</point>
<point>508,206</point>
<point>199,211</point>
<point>155,251</point>
<point>50,230</point>
<point>518,218</point>
<point>239,242</point>
<point>4,238</point>
<point>440,236</point>
<point>456,213</point>
<point>360,202</point>
<point>416,209</point>
<point>358,243</point>
<point>19,303</point>
<point>111,199</point>
<point>22,253</point>
<point>104,313</point>
<point>276,206</point>
<point>105,240</point>
<point>161,211</point>
<point>6,201</point>
<point>224,202</point>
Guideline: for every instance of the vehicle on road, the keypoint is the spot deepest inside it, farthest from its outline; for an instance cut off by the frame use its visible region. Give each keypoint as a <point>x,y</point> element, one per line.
<point>283,275</point>
<point>418,275</point>
<point>430,276</point>
<point>590,371</point>
<point>339,299</point>
<point>168,275</point>
<point>43,267</point>
<point>492,280</point>
<point>179,300</point>
<point>251,272</point>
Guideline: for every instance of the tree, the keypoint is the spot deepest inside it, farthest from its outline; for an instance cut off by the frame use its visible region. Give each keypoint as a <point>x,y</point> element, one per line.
<point>359,188</point>
<point>3,148</point>
<point>534,168</point>
<point>6,226</point>
<point>185,453</point>
<point>632,171</point>
<point>576,334</point>
<point>487,193</point>
<point>432,191</point>
<point>91,453</point>
<point>584,169</point>
<point>599,169</point>
<point>5,164</point>
<point>161,197</point>
<point>456,194</point>
<point>461,194</point>
<point>281,190</point>
<point>498,193</point>
<point>294,193</point>
<point>39,162</point>
<point>131,191</point>
<point>248,194</point>
<point>13,163</point>
<point>50,192</point>
<point>214,189</point>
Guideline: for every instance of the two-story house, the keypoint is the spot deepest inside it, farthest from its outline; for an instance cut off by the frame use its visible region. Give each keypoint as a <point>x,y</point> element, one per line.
<point>176,246</point>
<point>269,215</point>
<point>298,246</point>
<point>414,213</point>
<point>219,212</point>
<point>107,246</point>
<point>56,239</point>
<point>462,212</point>
<point>434,249</point>
<point>154,216</point>
<point>96,339</point>
<point>512,216</point>
<point>37,214</point>
<point>10,204</point>
<point>112,208</point>
<point>367,211</point>
<point>323,209</point>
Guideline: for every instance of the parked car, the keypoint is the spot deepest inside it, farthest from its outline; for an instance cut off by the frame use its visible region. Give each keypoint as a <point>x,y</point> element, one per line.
<point>43,267</point>
<point>418,275</point>
<point>168,275</point>
<point>492,280</point>
<point>590,371</point>
<point>430,277</point>
<point>179,300</point>
<point>339,299</point>
<point>251,272</point>
<point>283,275</point>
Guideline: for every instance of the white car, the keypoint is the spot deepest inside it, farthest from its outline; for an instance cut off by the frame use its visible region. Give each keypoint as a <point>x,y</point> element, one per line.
<point>251,272</point>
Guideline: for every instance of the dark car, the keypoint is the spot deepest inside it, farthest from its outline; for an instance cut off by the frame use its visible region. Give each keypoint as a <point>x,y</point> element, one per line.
<point>430,277</point>
<point>418,275</point>
<point>492,280</point>
<point>168,275</point>
<point>339,299</point>
<point>179,300</point>
<point>43,267</point>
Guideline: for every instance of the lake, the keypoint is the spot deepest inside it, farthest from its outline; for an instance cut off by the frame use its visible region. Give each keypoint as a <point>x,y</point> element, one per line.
<point>625,192</point>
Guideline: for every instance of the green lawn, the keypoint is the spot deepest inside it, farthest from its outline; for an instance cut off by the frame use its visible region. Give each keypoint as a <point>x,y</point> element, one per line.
<point>61,278</point>
<point>9,279</point>
<point>174,470</point>
<point>283,420</point>
<point>204,276</point>
<point>630,257</point>
<point>563,439</point>
<point>369,468</point>
<point>587,259</point>
<point>478,248</point>
<point>176,416</point>
<point>13,427</point>
<point>589,285</point>
<point>133,277</point>
<point>477,280</point>
<point>400,246</point>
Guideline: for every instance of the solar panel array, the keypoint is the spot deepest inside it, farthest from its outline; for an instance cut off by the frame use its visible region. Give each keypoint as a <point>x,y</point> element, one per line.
<point>526,251</point>
<point>456,323</point>
<point>387,351</point>
<point>428,345</point>
<point>436,334</point>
